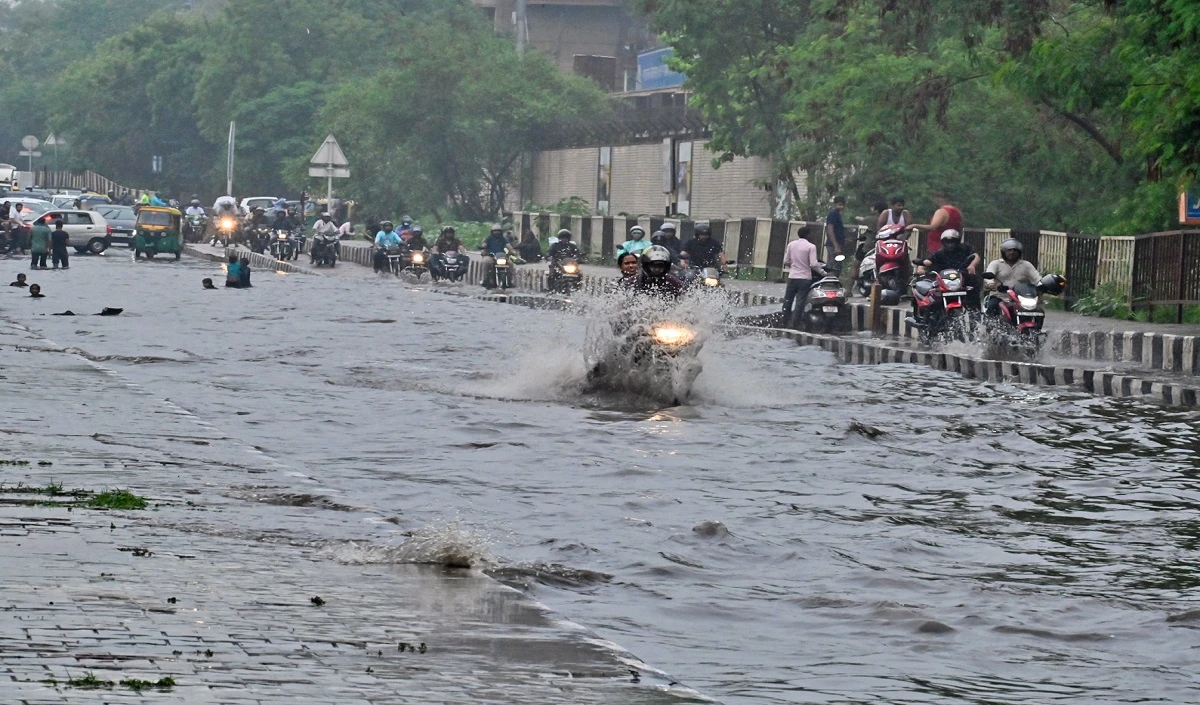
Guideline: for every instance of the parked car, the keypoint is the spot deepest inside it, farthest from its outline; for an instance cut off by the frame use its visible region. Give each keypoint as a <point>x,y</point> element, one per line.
<point>34,193</point>
<point>87,231</point>
<point>62,200</point>
<point>263,202</point>
<point>31,207</point>
<point>121,219</point>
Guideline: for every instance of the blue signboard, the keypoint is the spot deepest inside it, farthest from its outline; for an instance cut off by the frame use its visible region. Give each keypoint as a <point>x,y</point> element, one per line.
<point>1189,207</point>
<point>653,71</point>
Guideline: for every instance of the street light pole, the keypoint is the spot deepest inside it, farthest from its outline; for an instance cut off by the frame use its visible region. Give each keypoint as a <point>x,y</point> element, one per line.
<point>522,26</point>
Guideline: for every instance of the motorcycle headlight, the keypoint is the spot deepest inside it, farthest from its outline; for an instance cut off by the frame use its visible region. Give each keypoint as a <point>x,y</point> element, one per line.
<point>712,281</point>
<point>282,236</point>
<point>227,223</point>
<point>501,262</point>
<point>418,258</point>
<point>673,335</point>
<point>1028,303</point>
<point>953,284</point>
<point>570,269</point>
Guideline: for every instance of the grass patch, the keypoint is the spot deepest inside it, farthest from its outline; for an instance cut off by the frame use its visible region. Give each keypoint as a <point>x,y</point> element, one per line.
<point>164,683</point>
<point>117,499</point>
<point>14,462</point>
<point>89,682</point>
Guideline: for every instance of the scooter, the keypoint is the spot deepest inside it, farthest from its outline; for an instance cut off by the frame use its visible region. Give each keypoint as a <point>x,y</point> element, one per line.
<point>885,264</point>
<point>940,299</point>
<point>825,308</point>
<point>1020,317</point>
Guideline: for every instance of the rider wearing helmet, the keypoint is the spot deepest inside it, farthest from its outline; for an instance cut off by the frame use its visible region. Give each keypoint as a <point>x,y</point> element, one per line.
<point>655,279</point>
<point>956,254</point>
<point>416,239</point>
<point>447,242</point>
<point>406,224</point>
<point>559,252</point>
<point>495,244</point>
<point>703,251</point>
<point>194,208</point>
<point>1009,271</point>
<point>669,240</point>
<point>386,239</point>
<point>637,241</point>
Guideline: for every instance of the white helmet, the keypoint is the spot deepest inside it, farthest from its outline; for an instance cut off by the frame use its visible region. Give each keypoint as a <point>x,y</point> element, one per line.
<point>656,254</point>
<point>951,235</point>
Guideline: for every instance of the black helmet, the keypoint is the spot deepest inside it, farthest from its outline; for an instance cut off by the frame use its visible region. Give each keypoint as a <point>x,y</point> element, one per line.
<point>658,235</point>
<point>1053,284</point>
<point>448,229</point>
<point>702,229</point>
<point>565,234</point>
<point>418,230</point>
<point>1012,244</point>
<point>656,257</point>
<point>407,220</point>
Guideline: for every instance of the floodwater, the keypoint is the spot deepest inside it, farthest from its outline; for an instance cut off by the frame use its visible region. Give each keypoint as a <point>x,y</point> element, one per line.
<point>802,532</point>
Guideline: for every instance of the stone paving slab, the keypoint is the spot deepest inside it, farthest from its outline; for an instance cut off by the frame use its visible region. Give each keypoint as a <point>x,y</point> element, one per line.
<point>216,591</point>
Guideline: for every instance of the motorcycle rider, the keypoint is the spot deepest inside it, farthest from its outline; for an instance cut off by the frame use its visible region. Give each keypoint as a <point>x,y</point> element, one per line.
<point>282,222</point>
<point>560,251</point>
<point>386,239</point>
<point>1010,270</point>
<point>495,244</point>
<point>637,241</point>
<point>956,254</point>
<point>702,251</point>
<point>323,229</point>
<point>655,279</point>
<point>416,239</point>
<point>194,208</point>
<point>447,242</point>
<point>224,207</point>
<point>406,224</point>
<point>670,240</point>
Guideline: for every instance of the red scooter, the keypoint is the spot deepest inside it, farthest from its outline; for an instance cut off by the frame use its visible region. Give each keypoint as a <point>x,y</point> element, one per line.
<point>940,302</point>
<point>1019,316</point>
<point>886,265</point>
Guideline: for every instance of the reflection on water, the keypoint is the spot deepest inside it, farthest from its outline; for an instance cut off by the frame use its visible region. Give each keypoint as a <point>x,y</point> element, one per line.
<point>800,532</point>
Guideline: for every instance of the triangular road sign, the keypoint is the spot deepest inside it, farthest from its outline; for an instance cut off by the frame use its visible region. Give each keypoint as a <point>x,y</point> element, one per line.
<point>51,140</point>
<point>330,154</point>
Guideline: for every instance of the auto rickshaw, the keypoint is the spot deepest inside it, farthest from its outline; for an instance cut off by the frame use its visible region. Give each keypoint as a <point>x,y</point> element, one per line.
<point>158,231</point>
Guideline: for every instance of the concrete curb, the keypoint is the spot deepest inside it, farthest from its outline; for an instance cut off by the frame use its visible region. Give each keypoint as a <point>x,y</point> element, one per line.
<point>257,261</point>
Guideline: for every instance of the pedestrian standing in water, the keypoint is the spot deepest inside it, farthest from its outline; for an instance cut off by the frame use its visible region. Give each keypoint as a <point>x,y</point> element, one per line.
<point>58,246</point>
<point>39,244</point>
<point>801,257</point>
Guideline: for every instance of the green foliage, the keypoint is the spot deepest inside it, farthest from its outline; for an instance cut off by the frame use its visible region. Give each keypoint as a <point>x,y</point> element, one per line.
<point>1105,301</point>
<point>574,205</point>
<point>1031,113</point>
<point>117,499</point>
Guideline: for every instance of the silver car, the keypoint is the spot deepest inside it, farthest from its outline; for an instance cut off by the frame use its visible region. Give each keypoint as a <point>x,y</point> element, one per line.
<point>87,231</point>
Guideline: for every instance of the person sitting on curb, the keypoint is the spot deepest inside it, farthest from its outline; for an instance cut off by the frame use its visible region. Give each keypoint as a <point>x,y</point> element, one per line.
<point>20,280</point>
<point>244,272</point>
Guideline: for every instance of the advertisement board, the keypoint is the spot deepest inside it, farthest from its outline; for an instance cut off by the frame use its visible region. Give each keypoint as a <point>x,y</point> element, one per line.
<point>654,73</point>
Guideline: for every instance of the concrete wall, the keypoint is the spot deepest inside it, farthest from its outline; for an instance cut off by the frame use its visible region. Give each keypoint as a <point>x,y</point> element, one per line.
<point>637,182</point>
<point>728,192</point>
<point>564,173</point>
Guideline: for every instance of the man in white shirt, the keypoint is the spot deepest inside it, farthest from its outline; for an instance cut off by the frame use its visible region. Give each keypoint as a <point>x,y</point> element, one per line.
<point>801,257</point>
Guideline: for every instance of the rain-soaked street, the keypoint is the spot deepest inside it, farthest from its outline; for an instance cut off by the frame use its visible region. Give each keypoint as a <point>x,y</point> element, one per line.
<point>802,531</point>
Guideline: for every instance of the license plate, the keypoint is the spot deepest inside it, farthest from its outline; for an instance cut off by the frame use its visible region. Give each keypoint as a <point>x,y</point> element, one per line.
<point>829,309</point>
<point>1031,314</point>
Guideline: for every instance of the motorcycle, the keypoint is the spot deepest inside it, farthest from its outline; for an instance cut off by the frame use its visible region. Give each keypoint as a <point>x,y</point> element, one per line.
<point>416,263</point>
<point>193,227</point>
<point>389,259</point>
<point>228,230</point>
<point>1020,316</point>
<point>569,277</point>
<point>453,267</point>
<point>283,247</point>
<point>941,309</point>
<point>825,308</point>
<point>657,359</point>
<point>503,271</point>
<point>324,250</point>
<point>885,264</point>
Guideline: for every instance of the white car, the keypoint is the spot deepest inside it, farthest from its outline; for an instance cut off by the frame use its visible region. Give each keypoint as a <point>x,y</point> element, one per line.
<point>87,231</point>
<point>263,202</point>
<point>31,208</point>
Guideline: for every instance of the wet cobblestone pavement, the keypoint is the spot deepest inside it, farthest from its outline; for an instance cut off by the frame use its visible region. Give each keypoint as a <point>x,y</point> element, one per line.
<point>204,586</point>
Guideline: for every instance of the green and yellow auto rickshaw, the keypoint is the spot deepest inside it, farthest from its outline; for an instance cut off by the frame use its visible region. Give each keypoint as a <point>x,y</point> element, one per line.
<point>158,230</point>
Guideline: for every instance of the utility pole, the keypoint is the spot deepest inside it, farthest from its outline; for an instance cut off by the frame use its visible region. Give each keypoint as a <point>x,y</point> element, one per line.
<point>522,16</point>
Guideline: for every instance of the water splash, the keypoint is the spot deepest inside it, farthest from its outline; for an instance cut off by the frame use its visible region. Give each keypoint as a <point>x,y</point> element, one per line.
<point>447,543</point>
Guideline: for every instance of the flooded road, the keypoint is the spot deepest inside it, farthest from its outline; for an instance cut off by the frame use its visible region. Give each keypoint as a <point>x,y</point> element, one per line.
<point>802,532</point>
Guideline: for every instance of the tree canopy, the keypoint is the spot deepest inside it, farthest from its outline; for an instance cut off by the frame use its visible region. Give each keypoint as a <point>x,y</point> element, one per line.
<point>432,109</point>
<point>1079,114</point>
